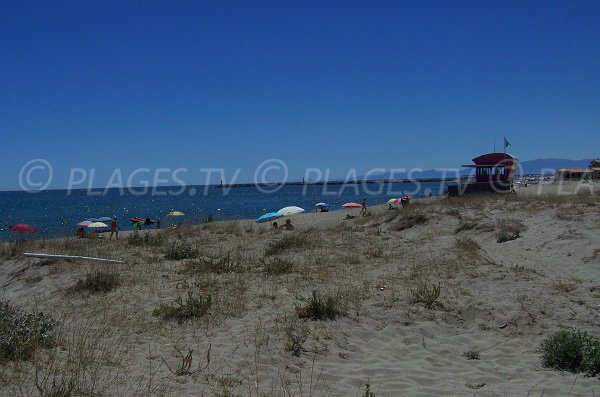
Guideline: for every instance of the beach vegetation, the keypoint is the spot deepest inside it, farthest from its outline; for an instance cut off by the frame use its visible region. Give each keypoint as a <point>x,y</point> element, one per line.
<point>573,351</point>
<point>563,287</point>
<point>289,242</point>
<point>467,246</point>
<point>10,250</point>
<point>21,333</point>
<point>185,362</point>
<point>454,212</point>
<point>319,306</point>
<point>471,355</point>
<point>509,229</point>
<point>183,310</point>
<point>147,239</point>
<point>465,224</point>
<point>297,332</point>
<point>181,249</point>
<point>426,294</point>
<point>410,219</point>
<point>220,264</point>
<point>368,392</point>
<point>277,266</point>
<point>97,281</point>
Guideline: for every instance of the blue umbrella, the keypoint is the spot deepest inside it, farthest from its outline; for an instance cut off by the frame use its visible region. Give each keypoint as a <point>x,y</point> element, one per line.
<point>269,216</point>
<point>104,219</point>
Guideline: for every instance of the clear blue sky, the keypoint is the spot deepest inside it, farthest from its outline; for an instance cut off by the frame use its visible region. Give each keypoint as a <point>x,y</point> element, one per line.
<point>390,84</point>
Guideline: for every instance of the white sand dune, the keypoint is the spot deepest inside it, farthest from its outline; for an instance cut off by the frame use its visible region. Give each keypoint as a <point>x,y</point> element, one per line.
<point>500,300</point>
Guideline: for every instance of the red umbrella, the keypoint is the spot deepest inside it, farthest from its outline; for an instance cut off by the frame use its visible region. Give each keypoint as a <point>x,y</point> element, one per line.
<point>352,205</point>
<point>22,228</point>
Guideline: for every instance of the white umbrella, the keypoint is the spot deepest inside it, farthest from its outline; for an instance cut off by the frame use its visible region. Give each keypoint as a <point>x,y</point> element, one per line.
<point>290,210</point>
<point>97,224</point>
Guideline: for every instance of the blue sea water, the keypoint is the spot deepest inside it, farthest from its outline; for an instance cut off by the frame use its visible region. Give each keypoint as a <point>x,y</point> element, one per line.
<point>56,212</point>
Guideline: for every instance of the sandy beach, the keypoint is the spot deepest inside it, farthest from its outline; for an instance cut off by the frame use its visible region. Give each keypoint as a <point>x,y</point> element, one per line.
<point>253,335</point>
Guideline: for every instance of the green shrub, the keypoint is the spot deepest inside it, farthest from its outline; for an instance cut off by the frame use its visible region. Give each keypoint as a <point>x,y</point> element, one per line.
<point>182,311</point>
<point>320,307</point>
<point>22,333</point>
<point>180,249</point>
<point>98,281</point>
<point>573,351</point>
<point>147,239</point>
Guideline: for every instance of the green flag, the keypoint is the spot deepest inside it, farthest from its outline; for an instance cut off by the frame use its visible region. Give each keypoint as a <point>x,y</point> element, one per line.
<point>506,143</point>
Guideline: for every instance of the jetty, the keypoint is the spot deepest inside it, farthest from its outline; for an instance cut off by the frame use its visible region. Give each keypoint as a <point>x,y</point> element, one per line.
<point>338,182</point>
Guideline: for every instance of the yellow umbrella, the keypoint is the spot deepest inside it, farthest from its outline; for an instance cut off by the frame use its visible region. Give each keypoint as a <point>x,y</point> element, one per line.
<point>175,213</point>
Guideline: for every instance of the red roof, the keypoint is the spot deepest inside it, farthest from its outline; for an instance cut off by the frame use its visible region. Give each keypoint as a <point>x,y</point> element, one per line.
<point>493,159</point>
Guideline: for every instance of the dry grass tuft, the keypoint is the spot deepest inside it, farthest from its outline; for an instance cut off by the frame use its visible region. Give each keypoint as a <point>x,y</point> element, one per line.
<point>182,311</point>
<point>185,363</point>
<point>277,266</point>
<point>425,294</point>
<point>10,250</point>
<point>320,307</point>
<point>220,264</point>
<point>467,246</point>
<point>509,229</point>
<point>466,224</point>
<point>562,287</point>
<point>181,249</point>
<point>98,281</point>
<point>289,242</point>
<point>410,219</point>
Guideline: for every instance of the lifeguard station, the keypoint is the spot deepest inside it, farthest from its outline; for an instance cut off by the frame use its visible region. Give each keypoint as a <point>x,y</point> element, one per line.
<point>494,173</point>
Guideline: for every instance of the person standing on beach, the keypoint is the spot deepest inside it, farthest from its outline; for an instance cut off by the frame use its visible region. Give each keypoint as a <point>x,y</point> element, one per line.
<point>363,210</point>
<point>114,228</point>
<point>158,223</point>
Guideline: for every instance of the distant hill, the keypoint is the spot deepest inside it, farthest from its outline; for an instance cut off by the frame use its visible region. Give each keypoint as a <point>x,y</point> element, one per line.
<point>538,166</point>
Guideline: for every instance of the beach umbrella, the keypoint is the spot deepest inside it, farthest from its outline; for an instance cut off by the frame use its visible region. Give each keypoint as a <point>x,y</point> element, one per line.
<point>22,228</point>
<point>93,220</point>
<point>137,225</point>
<point>97,225</point>
<point>269,216</point>
<point>352,205</point>
<point>175,213</point>
<point>322,205</point>
<point>85,223</point>
<point>291,210</point>
<point>393,200</point>
<point>104,219</point>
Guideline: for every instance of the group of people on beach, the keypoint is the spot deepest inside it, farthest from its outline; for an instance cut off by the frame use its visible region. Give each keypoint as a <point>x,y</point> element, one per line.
<point>286,226</point>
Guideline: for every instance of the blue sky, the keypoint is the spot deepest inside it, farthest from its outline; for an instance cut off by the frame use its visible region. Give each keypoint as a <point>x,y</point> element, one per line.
<point>338,85</point>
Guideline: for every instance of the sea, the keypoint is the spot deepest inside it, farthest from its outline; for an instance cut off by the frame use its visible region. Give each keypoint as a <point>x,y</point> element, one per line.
<point>55,213</point>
